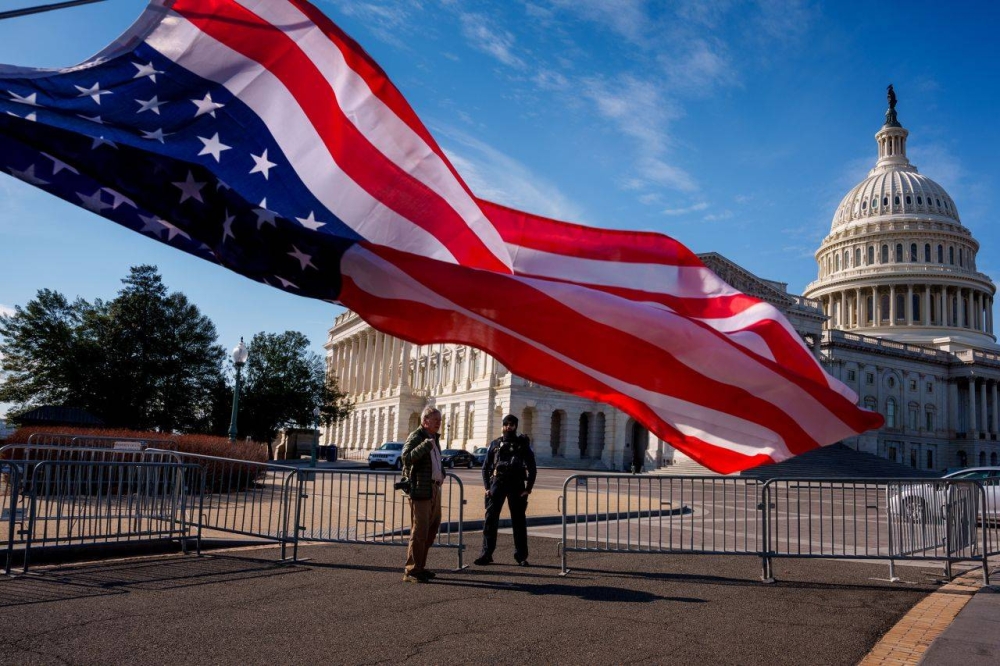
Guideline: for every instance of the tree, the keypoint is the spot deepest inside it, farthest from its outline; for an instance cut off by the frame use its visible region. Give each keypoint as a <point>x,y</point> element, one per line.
<point>284,383</point>
<point>147,359</point>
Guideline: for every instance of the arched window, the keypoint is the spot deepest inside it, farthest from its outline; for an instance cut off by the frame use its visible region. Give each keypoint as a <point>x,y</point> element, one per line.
<point>847,259</point>
<point>868,309</point>
<point>885,254</point>
<point>940,254</point>
<point>870,404</point>
<point>920,201</point>
<point>982,458</point>
<point>885,201</point>
<point>890,413</point>
<point>930,459</point>
<point>864,205</point>
<point>836,263</point>
<point>915,307</point>
<point>884,307</point>
<point>900,304</point>
<point>857,257</point>
<point>899,252</point>
<point>938,201</point>
<point>895,200</point>
<point>951,256</point>
<point>913,252</point>
<point>874,203</point>
<point>871,255</point>
<point>908,200</point>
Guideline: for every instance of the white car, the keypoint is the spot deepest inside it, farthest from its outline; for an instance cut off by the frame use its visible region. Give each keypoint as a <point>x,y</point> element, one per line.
<point>924,502</point>
<point>388,455</point>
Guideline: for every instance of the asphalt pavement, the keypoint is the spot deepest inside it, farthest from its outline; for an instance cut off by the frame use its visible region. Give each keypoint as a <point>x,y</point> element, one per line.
<point>348,605</point>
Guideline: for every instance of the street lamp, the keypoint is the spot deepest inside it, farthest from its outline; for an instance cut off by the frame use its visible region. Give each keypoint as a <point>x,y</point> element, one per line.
<point>315,444</point>
<point>240,355</point>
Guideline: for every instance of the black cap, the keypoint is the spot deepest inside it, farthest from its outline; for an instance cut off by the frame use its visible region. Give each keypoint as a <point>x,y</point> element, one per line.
<point>510,418</point>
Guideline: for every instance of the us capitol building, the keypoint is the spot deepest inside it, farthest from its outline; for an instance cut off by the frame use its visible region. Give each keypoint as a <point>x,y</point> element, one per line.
<point>898,312</point>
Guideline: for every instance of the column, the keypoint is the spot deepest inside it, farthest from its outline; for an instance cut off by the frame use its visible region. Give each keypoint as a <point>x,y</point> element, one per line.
<point>982,408</point>
<point>953,405</point>
<point>961,308</point>
<point>972,406</point>
<point>996,408</point>
<point>927,305</point>
<point>876,308</point>
<point>355,351</point>
<point>386,367</point>
<point>404,364</point>
<point>892,305</point>
<point>861,307</point>
<point>909,305</point>
<point>947,306</point>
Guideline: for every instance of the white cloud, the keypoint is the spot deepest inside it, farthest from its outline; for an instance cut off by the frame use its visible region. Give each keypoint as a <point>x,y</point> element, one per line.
<point>938,163</point>
<point>715,217</point>
<point>699,68</point>
<point>684,211</point>
<point>484,36</point>
<point>387,20</point>
<point>628,18</point>
<point>498,177</point>
<point>6,310</point>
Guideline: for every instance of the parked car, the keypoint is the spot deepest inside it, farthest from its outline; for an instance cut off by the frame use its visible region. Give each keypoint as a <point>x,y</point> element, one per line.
<point>387,455</point>
<point>479,453</point>
<point>925,502</point>
<point>457,458</point>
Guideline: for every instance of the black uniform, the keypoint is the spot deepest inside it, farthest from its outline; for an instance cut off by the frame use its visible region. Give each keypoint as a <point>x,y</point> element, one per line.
<point>508,471</point>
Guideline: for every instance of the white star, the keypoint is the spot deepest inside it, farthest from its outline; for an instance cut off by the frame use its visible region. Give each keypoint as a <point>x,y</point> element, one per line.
<point>190,189</point>
<point>101,141</point>
<point>265,216</point>
<point>146,70</point>
<point>30,100</point>
<point>261,164</point>
<point>151,224</point>
<point>58,165</point>
<point>304,259</point>
<point>93,202</point>
<point>173,231</point>
<point>213,147</point>
<point>286,283</point>
<point>206,105</point>
<point>28,176</point>
<point>94,92</point>
<point>227,227</point>
<point>158,134</point>
<point>93,119</point>
<point>119,199</point>
<point>310,222</point>
<point>150,105</point>
<point>33,117</point>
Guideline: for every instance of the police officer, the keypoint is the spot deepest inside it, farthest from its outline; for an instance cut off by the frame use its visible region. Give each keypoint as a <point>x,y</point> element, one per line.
<point>508,474</point>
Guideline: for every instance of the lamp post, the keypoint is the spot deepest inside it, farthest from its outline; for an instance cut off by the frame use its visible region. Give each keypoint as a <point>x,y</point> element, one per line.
<point>312,454</point>
<point>240,355</point>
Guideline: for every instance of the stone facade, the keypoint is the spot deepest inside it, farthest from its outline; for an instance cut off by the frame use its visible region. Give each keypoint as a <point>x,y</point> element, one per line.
<point>899,313</point>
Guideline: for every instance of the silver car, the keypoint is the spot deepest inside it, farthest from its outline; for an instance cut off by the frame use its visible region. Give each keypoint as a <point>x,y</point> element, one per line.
<point>926,502</point>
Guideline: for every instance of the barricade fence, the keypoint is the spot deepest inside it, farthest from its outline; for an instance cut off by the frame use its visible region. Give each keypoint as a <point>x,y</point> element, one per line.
<point>942,520</point>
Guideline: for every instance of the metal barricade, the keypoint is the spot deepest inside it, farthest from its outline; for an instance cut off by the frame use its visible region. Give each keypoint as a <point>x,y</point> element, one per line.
<point>239,496</point>
<point>874,519</point>
<point>362,507</point>
<point>84,502</point>
<point>625,513</point>
<point>10,508</point>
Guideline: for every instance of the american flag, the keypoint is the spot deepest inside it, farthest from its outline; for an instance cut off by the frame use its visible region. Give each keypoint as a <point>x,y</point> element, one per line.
<point>257,135</point>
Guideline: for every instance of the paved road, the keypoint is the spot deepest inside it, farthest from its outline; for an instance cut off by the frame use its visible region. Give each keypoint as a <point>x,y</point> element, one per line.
<point>348,605</point>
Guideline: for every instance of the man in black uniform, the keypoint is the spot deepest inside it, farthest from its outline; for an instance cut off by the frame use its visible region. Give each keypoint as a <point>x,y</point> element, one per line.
<point>508,474</point>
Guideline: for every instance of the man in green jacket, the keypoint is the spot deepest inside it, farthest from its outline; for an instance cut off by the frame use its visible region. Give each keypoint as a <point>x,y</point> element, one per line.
<point>422,465</point>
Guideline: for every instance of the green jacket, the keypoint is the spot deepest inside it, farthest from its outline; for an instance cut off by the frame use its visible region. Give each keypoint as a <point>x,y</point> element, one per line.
<point>417,463</point>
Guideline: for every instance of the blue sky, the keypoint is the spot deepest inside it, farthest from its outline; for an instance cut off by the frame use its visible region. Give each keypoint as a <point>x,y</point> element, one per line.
<point>735,127</point>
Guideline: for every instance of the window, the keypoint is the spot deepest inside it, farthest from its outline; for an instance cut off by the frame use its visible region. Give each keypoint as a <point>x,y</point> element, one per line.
<point>951,256</point>
<point>908,200</point>
<point>847,259</point>
<point>850,375</point>
<point>899,252</point>
<point>927,253</point>
<point>871,254</point>
<point>857,257</point>
<point>836,262</point>
<point>960,255</point>
<point>895,200</point>
<point>940,254</point>
<point>913,384</point>
<point>915,308</point>
<point>930,459</point>
<point>890,413</point>
<point>929,421</point>
<point>920,201</point>
<point>930,387</point>
<point>874,203</point>
<point>913,251</point>
<point>885,254</point>
<point>913,418</point>
<point>938,201</point>
<point>870,403</point>
<point>900,304</point>
<point>885,201</point>
<point>870,378</point>
<point>913,457</point>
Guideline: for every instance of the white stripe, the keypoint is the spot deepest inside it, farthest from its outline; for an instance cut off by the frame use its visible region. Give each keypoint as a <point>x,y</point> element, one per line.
<point>377,122</point>
<point>182,42</point>
<point>704,354</point>
<point>382,279</point>
<point>679,281</point>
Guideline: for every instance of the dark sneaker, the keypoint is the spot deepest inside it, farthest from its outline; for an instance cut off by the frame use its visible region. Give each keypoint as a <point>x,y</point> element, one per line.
<point>413,578</point>
<point>523,563</point>
<point>482,561</point>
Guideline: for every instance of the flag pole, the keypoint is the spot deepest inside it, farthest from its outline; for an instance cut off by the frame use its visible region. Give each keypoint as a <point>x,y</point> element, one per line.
<point>14,13</point>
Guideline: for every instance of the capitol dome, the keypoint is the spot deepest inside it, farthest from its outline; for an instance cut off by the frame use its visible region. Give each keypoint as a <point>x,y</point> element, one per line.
<point>898,263</point>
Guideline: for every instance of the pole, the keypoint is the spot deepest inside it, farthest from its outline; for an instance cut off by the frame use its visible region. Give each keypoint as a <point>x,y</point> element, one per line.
<point>14,13</point>
<point>236,403</point>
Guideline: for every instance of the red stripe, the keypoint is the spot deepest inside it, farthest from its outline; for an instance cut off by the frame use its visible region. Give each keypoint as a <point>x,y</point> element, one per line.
<point>576,240</point>
<point>409,320</point>
<point>247,34</point>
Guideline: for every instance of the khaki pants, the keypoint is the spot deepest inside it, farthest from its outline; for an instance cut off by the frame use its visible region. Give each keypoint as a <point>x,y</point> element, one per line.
<point>425,519</point>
